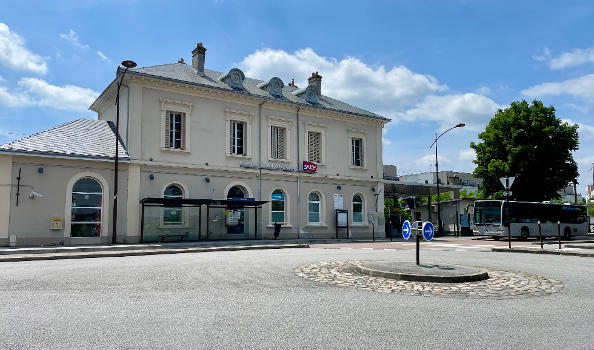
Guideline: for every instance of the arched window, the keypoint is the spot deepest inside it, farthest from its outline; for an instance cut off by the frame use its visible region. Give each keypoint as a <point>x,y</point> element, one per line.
<point>313,208</point>
<point>357,208</point>
<point>236,192</point>
<point>277,200</point>
<point>87,201</point>
<point>173,216</point>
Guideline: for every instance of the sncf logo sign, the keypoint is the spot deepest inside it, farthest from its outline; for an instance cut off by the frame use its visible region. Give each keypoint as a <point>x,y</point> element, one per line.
<point>310,167</point>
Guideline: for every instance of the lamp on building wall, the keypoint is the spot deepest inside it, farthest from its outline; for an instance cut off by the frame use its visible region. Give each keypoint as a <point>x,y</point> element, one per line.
<point>126,64</point>
<point>439,223</point>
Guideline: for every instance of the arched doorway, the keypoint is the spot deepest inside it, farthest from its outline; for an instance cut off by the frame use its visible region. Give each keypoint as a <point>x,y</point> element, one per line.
<point>87,204</point>
<point>235,217</point>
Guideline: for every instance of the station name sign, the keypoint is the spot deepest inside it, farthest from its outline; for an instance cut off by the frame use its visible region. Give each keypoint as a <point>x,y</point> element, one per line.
<point>268,166</point>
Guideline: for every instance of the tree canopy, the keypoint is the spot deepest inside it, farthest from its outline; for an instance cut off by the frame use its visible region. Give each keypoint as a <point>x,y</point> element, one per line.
<point>529,142</point>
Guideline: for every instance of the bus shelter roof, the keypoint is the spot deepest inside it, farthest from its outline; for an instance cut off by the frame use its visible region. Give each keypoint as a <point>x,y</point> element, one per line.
<point>394,188</point>
<point>196,202</point>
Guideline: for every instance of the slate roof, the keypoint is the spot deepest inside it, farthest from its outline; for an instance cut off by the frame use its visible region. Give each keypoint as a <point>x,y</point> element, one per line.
<point>183,73</point>
<point>86,138</point>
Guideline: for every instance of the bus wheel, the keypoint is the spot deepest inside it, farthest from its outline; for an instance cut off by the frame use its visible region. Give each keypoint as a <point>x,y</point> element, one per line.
<point>567,234</point>
<point>496,238</point>
<point>525,233</point>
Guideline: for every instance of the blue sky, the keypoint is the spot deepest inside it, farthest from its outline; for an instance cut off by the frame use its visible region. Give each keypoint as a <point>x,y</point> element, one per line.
<point>426,64</point>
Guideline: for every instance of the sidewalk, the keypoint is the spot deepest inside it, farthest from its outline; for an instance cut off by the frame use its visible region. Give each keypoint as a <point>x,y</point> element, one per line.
<point>585,250</point>
<point>119,250</point>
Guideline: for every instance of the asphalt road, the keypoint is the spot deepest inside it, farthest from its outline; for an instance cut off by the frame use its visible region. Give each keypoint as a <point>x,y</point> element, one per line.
<point>253,299</point>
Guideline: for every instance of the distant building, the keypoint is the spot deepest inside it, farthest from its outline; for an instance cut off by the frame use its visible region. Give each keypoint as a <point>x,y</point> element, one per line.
<point>589,193</point>
<point>466,180</point>
<point>567,195</point>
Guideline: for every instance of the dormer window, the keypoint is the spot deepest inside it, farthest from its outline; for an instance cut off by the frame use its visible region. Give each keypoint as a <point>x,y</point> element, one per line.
<point>274,86</point>
<point>234,78</point>
<point>309,94</point>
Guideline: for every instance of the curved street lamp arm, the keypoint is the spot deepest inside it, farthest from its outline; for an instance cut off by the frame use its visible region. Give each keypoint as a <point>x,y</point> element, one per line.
<point>453,127</point>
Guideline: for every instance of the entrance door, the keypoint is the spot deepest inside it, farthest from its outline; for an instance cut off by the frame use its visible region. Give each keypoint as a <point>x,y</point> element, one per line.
<point>235,222</point>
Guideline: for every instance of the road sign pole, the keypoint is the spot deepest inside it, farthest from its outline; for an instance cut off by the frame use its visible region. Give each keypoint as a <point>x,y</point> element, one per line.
<point>559,233</point>
<point>418,245</point>
<point>540,234</point>
<point>508,223</point>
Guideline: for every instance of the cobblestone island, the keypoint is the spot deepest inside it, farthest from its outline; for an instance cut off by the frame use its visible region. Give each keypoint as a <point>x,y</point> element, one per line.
<point>500,285</point>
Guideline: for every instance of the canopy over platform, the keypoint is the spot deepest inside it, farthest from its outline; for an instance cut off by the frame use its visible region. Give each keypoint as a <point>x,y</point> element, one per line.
<point>393,188</point>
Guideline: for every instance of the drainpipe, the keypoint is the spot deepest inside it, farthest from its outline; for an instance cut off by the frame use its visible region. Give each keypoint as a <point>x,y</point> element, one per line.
<point>260,150</point>
<point>260,156</point>
<point>298,176</point>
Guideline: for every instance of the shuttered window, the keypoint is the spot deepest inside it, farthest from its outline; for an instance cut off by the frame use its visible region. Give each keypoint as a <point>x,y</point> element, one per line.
<point>175,126</point>
<point>237,137</point>
<point>314,151</point>
<point>278,138</point>
<point>357,151</point>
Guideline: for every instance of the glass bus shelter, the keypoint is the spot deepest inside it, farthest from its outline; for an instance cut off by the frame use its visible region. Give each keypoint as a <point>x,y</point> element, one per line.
<point>179,219</point>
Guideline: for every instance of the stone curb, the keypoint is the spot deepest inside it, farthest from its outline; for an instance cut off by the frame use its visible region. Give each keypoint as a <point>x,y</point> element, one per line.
<point>542,251</point>
<point>121,253</point>
<point>482,275</point>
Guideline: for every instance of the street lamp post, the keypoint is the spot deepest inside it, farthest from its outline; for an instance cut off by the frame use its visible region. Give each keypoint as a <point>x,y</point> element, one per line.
<point>126,64</point>
<point>439,224</point>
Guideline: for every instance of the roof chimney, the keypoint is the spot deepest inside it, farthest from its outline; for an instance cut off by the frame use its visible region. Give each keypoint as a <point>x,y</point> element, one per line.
<point>198,55</point>
<point>181,60</point>
<point>292,83</point>
<point>316,81</point>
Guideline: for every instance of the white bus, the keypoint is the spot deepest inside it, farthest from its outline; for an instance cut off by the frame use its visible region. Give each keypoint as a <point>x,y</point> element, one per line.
<point>491,218</point>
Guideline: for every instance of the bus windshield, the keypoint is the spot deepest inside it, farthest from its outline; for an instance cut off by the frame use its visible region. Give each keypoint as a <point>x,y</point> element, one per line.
<point>487,213</point>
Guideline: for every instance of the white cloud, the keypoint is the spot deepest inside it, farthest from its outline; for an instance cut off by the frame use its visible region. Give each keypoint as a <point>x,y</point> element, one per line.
<point>395,92</point>
<point>572,58</point>
<point>14,54</point>
<point>546,54</point>
<point>575,57</point>
<point>11,99</point>
<point>483,90</point>
<point>428,160</point>
<point>103,57</point>
<point>467,155</point>
<point>68,97</point>
<point>472,109</point>
<point>578,87</point>
<point>37,92</point>
<point>348,79</point>
<point>582,109</point>
<point>585,130</point>
<point>385,140</point>
<point>72,38</point>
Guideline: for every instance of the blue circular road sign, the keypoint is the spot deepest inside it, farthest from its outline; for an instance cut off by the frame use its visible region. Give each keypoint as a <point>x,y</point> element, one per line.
<point>406,230</point>
<point>428,230</point>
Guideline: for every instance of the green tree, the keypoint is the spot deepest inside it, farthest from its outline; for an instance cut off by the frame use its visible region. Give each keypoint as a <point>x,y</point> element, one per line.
<point>470,194</point>
<point>529,142</point>
<point>389,206</point>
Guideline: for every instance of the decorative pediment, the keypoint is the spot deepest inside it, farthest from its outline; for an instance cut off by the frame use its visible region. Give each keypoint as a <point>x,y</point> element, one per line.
<point>274,86</point>
<point>309,94</point>
<point>233,78</point>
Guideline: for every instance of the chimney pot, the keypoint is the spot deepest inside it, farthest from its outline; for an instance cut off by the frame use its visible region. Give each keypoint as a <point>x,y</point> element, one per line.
<point>181,60</point>
<point>316,81</point>
<point>198,57</point>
